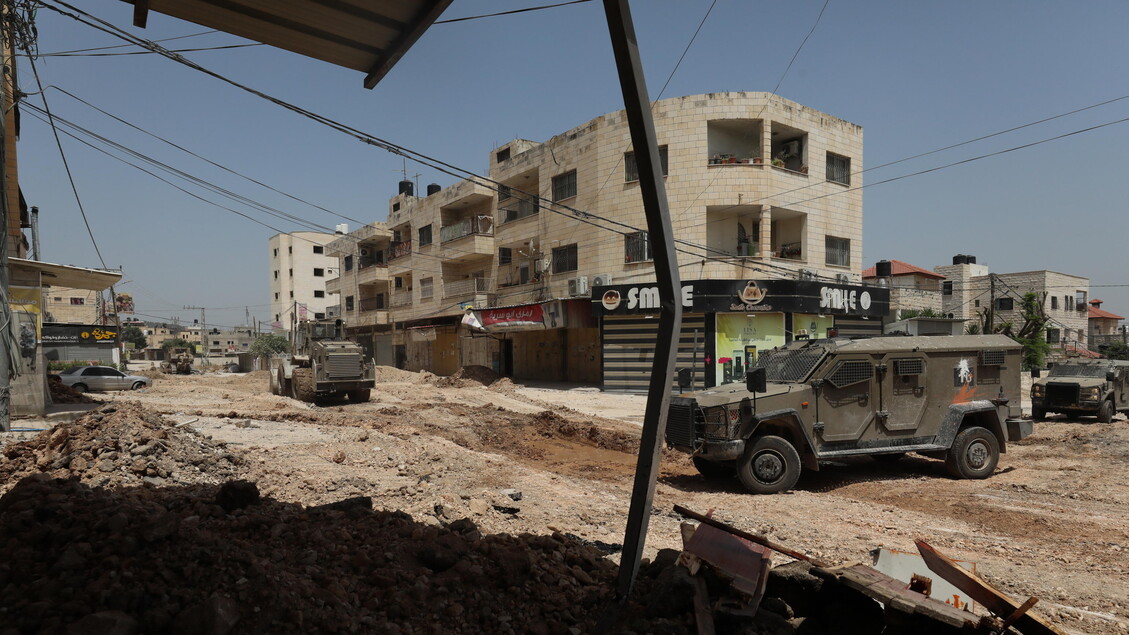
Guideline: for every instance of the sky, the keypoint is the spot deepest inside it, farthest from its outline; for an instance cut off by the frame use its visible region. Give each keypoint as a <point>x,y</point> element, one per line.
<point>917,77</point>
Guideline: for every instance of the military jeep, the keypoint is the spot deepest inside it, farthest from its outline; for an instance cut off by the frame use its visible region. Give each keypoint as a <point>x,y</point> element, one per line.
<point>814,401</point>
<point>1097,387</point>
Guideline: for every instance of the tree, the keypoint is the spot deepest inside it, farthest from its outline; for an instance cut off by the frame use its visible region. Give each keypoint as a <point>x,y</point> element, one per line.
<point>177,343</point>
<point>270,344</point>
<point>1032,334</point>
<point>133,335</point>
<point>921,313</point>
<point>1116,350</point>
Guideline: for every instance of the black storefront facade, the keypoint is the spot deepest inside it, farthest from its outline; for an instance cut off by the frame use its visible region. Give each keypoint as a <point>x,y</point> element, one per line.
<point>80,343</point>
<point>726,324</point>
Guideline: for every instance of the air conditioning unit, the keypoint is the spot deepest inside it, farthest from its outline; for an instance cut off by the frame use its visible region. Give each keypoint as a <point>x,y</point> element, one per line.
<point>807,274</point>
<point>842,278</point>
<point>578,286</point>
<point>364,251</point>
<point>602,280</point>
<point>790,149</point>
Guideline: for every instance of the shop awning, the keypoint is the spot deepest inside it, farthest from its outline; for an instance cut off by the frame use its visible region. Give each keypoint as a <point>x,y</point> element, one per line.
<point>365,35</point>
<point>67,275</point>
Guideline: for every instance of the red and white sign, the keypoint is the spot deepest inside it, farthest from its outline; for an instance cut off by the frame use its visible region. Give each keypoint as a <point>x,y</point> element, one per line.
<point>529,316</point>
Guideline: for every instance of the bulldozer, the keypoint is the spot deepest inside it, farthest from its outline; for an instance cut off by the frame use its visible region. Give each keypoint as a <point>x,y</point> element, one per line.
<point>178,361</point>
<point>323,365</point>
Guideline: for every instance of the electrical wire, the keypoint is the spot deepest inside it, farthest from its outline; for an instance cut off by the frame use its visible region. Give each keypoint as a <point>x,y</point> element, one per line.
<point>121,46</point>
<point>512,12</point>
<point>191,50</point>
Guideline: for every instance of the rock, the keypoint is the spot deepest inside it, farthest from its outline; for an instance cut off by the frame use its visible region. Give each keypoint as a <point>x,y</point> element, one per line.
<point>104,623</point>
<point>673,593</point>
<point>514,494</point>
<point>235,495</point>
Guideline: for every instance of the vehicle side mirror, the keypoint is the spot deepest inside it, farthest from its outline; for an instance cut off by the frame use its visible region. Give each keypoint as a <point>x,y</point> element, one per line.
<point>756,380</point>
<point>1110,376</point>
<point>683,379</point>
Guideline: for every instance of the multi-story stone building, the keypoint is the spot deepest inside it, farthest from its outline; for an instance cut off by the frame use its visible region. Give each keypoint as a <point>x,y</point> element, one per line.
<point>912,288</point>
<point>299,269</point>
<point>514,271</point>
<point>73,306</point>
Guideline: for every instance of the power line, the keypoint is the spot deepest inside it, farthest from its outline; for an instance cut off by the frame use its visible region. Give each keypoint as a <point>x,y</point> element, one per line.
<point>121,46</point>
<point>512,12</point>
<point>191,50</point>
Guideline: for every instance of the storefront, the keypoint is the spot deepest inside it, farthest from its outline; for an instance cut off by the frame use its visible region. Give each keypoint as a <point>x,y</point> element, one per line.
<point>80,343</point>
<point>725,324</point>
<point>557,340</point>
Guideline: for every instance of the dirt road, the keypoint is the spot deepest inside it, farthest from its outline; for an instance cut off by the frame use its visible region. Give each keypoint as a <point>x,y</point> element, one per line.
<point>1053,522</point>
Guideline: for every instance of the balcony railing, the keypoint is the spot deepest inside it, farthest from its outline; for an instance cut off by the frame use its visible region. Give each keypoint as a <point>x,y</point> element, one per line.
<point>517,208</point>
<point>468,287</point>
<point>400,249</point>
<point>466,227</point>
<point>376,303</point>
<point>401,298</point>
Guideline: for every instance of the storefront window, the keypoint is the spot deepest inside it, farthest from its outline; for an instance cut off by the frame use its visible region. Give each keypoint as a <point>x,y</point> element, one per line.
<point>812,327</point>
<point>739,338</point>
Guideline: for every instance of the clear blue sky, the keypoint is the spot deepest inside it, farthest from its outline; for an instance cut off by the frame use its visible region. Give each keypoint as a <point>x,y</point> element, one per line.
<point>916,76</point>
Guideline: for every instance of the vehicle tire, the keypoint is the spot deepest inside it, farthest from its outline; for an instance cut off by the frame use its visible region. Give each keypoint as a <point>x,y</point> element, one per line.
<point>361,395</point>
<point>974,453</point>
<point>1105,411</point>
<point>1038,414</point>
<point>714,469</point>
<point>302,384</point>
<point>79,388</point>
<point>769,465</point>
<point>893,457</point>
<point>138,385</point>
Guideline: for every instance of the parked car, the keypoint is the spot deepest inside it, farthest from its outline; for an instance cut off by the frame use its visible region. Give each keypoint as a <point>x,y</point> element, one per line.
<point>84,378</point>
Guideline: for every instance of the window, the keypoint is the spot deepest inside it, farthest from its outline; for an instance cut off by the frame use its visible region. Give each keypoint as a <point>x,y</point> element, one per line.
<point>319,293</point>
<point>276,317</point>
<point>631,168</point>
<point>838,169</point>
<point>395,207</point>
<point>348,264</point>
<point>276,252</point>
<point>1054,304</point>
<point>398,282</point>
<point>1054,336</point>
<point>838,251</point>
<point>502,155</point>
<point>1004,304</point>
<point>290,249</point>
<point>1080,300</point>
<point>1069,302</point>
<point>317,316</point>
<point>564,259</point>
<point>947,287</point>
<point>505,255</point>
<point>276,296</point>
<point>78,301</point>
<point>276,274</point>
<point>978,304</point>
<point>290,272</point>
<point>564,186</point>
<point>348,303</point>
<point>319,272</point>
<point>504,192</point>
<point>318,249</point>
<point>523,274</point>
<point>291,295</point>
<point>425,235</point>
<point>636,247</point>
<point>426,288</point>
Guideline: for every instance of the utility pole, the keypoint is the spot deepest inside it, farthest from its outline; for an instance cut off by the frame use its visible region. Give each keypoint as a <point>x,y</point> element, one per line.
<point>7,370</point>
<point>203,329</point>
<point>991,304</point>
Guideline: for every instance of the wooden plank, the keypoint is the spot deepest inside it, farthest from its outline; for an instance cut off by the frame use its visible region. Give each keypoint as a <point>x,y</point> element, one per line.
<point>988,596</point>
<point>702,614</point>
<point>894,594</point>
<point>760,540</point>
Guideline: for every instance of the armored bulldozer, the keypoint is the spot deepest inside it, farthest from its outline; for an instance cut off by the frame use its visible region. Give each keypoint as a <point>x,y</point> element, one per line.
<point>323,365</point>
<point>814,401</point>
<point>178,361</point>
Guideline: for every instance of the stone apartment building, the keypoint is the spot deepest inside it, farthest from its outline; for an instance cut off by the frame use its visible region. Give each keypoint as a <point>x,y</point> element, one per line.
<point>911,287</point>
<point>1105,327</point>
<point>515,272</point>
<point>65,305</point>
<point>299,269</point>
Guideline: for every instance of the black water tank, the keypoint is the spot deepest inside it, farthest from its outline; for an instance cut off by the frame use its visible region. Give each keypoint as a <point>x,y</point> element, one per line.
<point>883,269</point>
<point>406,187</point>
<point>970,260</point>
<point>959,259</point>
<point>433,189</point>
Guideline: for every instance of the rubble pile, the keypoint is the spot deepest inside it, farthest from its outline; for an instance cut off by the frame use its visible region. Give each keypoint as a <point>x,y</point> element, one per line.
<point>469,376</point>
<point>202,559</point>
<point>62,393</point>
<point>120,444</point>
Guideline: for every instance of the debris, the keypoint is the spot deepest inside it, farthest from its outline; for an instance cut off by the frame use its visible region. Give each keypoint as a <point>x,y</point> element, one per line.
<point>1025,621</point>
<point>908,567</point>
<point>748,536</point>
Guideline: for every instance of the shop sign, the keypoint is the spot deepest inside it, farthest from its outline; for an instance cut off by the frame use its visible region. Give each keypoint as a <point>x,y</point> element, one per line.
<point>749,296</point>
<point>79,334</point>
<point>528,317</point>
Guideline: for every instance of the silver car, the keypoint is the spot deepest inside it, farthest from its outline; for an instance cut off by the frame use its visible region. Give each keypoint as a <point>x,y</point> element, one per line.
<point>84,378</point>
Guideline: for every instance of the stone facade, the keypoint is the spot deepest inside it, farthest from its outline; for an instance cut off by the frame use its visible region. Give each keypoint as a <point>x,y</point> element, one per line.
<point>73,306</point>
<point>299,269</point>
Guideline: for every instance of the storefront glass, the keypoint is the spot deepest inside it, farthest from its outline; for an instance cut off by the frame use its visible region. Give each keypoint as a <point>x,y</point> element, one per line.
<point>739,337</point>
<point>809,326</point>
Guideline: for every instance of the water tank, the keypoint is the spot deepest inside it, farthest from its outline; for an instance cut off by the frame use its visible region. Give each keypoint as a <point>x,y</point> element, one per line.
<point>406,187</point>
<point>433,188</point>
<point>883,269</point>
<point>958,259</point>
<point>970,260</point>
<point>341,228</point>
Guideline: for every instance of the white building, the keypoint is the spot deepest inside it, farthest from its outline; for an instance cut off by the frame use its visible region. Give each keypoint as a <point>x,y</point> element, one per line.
<point>298,270</point>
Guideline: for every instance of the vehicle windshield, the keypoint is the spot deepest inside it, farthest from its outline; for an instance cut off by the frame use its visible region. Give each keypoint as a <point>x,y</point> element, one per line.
<point>1078,370</point>
<point>72,371</point>
<point>790,364</point>
<point>324,331</point>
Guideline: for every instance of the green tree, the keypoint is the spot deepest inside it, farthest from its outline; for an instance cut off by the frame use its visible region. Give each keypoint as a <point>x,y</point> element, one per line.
<point>1116,350</point>
<point>1032,334</point>
<point>270,344</point>
<point>133,335</point>
<point>177,343</point>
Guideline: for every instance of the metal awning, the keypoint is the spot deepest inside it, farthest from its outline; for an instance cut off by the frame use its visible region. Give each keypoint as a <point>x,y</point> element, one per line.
<point>365,35</point>
<point>67,275</point>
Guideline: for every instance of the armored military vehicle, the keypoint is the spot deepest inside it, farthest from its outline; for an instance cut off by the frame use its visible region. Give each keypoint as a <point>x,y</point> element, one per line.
<point>1098,387</point>
<point>323,364</point>
<point>950,397</point>
<point>178,361</point>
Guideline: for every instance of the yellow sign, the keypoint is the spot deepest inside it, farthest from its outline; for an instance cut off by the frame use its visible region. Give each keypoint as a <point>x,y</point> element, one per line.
<point>28,300</point>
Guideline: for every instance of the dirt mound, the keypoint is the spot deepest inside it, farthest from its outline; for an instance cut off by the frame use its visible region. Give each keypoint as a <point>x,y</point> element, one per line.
<point>253,379</point>
<point>469,376</point>
<point>391,375</point>
<point>217,560</point>
<point>62,393</point>
<point>120,444</point>
<point>151,373</point>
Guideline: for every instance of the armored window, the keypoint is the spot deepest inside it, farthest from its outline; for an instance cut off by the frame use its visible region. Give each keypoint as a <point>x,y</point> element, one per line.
<point>850,372</point>
<point>992,358</point>
<point>564,186</point>
<point>909,367</point>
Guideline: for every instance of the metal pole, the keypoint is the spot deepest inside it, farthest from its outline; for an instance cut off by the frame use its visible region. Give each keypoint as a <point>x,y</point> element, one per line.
<point>35,232</point>
<point>638,107</point>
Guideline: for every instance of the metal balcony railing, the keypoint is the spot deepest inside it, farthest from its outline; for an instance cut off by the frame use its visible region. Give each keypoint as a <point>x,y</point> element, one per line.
<point>517,208</point>
<point>401,298</point>
<point>468,287</point>
<point>400,249</point>
<point>376,303</point>
<point>466,227</point>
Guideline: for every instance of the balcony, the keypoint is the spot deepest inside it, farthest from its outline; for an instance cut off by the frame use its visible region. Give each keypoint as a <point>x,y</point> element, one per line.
<point>372,272</point>
<point>399,250</point>
<point>467,227</point>
<point>333,285</point>
<point>472,286</point>
<point>375,303</point>
<point>402,297</point>
<point>517,208</point>
<point>468,239</point>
